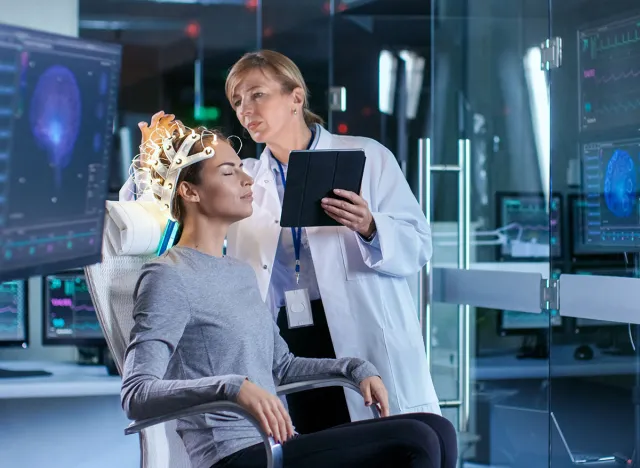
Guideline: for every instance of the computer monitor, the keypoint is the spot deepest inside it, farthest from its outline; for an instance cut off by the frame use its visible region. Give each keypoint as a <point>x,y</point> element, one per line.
<point>610,218</point>
<point>608,80</point>
<point>583,250</point>
<point>522,323</point>
<point>69,317</point>
<point>530,225</point>
<point>14,328</point>
<point>58,98</point>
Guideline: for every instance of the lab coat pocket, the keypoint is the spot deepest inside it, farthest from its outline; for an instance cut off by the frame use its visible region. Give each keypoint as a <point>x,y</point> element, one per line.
<point>354,266</point>
<point>407,360</point>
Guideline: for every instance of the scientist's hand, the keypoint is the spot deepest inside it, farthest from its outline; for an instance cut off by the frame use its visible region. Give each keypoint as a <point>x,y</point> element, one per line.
<point>374,391</point>
<point>353,213</point>
<point>268,409</point>
<point>162,125</point>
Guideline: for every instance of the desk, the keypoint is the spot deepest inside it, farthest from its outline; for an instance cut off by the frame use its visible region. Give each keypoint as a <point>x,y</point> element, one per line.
<point>71,419</point>
<point>67,381</point>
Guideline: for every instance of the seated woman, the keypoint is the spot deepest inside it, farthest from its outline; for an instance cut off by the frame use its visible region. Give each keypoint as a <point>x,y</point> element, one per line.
<point>202,333</point>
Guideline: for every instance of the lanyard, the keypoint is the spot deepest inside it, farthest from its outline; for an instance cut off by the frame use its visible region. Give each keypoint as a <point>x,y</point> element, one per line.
<point>296,233</point>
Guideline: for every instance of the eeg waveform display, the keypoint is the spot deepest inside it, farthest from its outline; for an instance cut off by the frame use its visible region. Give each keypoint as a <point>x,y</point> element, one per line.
<point>531,225</point>
<point>609,67</point>
<point>13,312</point>
<point>68,309</point>
<point>610,212</point>
<point>58,101</point>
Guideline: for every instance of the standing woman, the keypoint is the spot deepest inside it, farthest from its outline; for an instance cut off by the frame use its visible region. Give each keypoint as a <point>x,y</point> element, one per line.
<point>356,274</point>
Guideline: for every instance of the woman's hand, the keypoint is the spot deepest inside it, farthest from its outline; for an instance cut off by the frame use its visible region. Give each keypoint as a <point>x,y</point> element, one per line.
<point>374,391</point>
<point>162,125</point>
<point>353,213</point>
<point>268,409</point>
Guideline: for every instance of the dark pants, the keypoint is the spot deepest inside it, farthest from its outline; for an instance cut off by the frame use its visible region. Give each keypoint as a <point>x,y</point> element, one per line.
<point>418,440</point>
<point>323,408</point>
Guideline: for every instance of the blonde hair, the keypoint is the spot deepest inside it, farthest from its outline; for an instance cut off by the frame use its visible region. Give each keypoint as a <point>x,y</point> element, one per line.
<point>283,70</point>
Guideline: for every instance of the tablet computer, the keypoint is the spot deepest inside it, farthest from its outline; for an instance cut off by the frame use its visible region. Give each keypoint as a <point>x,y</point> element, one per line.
<point>313,175</point>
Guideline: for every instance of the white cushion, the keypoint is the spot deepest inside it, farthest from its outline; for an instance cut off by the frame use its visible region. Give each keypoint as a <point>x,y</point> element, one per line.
<point>134,227</point>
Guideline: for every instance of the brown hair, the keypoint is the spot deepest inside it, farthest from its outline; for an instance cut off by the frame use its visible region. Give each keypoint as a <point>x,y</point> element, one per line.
<point>283,70</point>
<point>191,173</point>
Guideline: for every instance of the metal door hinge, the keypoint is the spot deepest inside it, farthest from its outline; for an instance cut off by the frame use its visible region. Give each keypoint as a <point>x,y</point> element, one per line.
<point>549,294</point>
<point>551,53</point>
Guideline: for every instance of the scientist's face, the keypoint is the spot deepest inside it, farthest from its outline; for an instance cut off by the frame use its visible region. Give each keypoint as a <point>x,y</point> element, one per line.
<point>223,190</point>
<point>263,107</point>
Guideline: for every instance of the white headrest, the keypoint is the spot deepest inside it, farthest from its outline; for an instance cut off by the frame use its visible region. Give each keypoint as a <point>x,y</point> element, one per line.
<point>134,227</point>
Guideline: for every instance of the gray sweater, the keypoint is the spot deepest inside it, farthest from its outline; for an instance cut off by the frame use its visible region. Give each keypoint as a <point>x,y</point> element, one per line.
<point>201,328</point>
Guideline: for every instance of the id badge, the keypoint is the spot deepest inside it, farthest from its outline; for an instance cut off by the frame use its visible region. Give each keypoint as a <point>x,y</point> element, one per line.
<point>298,308</point>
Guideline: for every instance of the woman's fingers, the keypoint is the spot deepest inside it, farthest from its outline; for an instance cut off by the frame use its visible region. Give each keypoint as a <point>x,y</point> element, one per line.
<point>287,419</point>
<point>366,393</point>
<point>282,424</point>
<point>342,213</point>
<point>273,420</point>
<point>156,118</point>
<point>380,394</point>
<point>351,196</point>
<point>264,422</point>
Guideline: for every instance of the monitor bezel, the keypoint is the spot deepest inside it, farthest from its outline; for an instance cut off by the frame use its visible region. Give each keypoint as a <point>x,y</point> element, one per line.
<point>499,196</point>
<point>585,254</point>
<point>20,343</point>
<point>53,266</point>
<point>47,340</point>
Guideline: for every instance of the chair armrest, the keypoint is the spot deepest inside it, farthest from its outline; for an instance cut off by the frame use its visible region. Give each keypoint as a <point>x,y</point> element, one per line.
<point>321,383</point>
<point>274,450</point>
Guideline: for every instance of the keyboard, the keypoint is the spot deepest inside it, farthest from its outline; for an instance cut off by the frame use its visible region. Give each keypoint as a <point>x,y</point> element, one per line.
<point>11,374</point>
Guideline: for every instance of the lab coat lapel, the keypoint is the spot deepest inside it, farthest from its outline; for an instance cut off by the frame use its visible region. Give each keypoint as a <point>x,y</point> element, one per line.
<point>325,139</point>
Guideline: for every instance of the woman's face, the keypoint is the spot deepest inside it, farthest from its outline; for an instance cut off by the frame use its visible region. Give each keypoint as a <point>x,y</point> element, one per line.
<point>263,108</point>
<point>224,192</point>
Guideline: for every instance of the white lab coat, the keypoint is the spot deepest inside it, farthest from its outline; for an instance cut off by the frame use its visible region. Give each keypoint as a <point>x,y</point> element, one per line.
<point>367,300</point>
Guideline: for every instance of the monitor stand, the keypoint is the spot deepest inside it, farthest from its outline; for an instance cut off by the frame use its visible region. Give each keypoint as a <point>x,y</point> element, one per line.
<point>535,346</point>
<point>97,356</point>
<point>18,373</point>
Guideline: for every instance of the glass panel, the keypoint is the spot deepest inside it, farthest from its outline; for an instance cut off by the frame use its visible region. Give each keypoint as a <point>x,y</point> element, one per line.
<point>489,105</point>
<point>175,57</point>
<point>302,31</point>
<point>595,102</point>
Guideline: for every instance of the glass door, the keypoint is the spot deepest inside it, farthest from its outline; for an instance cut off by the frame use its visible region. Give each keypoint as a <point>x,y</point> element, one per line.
<point>458,91</point>
<point>495,224</point>
<point>595,148</point>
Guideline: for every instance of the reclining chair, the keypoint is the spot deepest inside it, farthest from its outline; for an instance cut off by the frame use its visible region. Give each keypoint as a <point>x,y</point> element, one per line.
<point>132,233</point>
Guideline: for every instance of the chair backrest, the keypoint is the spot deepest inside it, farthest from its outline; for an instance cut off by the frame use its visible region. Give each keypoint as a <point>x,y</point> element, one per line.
<point>111,285</point>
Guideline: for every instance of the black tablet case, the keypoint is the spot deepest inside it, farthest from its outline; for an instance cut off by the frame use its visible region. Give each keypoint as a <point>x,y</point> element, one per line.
<point>313,175</point>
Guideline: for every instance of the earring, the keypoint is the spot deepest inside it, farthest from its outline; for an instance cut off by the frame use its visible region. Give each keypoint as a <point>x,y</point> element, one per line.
<point>295,111</point>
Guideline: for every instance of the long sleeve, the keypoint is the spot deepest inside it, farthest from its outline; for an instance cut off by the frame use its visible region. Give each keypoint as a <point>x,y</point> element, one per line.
<point>402,244</point>
<point>161,313</point>
<point>288,368</point>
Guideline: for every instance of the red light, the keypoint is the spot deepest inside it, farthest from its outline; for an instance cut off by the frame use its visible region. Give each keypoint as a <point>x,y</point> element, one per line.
<point>192,30</point>
<point>251,4</point>
<point>268,31</point>
<point>343,128</point>
<point>326,7</point>
<point>342,7</point>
